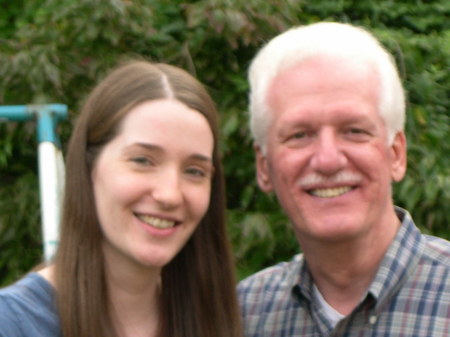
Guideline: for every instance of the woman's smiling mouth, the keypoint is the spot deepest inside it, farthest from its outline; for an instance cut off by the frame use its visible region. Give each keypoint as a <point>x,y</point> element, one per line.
<point>156,222</point>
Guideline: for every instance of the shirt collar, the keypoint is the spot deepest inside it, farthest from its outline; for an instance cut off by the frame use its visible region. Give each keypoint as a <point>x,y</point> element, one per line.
<point>400,260</point>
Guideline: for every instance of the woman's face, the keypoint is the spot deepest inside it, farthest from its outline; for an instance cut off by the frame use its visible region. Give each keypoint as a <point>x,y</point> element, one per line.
<point>152,183</point>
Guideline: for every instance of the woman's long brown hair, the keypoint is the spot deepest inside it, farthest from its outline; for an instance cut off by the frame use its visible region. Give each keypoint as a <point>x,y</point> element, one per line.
<point>198,285</point>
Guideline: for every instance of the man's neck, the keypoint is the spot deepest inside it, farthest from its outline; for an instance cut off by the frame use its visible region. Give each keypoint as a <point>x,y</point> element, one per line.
<point>343,271</point>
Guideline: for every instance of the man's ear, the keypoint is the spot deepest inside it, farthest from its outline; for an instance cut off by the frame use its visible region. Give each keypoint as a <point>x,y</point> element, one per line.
<point>262,170</point>
<point>398,152</point>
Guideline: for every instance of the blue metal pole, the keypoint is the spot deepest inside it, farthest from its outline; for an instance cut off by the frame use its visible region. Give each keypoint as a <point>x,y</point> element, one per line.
<point>15,113</point>
<point>47,116</point>
<point>51,164</point>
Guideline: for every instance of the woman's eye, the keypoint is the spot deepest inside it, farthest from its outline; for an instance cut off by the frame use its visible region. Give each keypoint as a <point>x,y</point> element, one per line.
<point>196,172</point>
<point>141,160</point>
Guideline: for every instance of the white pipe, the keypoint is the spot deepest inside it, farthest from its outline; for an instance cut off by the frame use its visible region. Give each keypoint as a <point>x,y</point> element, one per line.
<point>51,181</point>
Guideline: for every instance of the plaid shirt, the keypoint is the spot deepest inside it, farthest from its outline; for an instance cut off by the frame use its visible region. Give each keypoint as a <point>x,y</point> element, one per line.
<point>409,296</point>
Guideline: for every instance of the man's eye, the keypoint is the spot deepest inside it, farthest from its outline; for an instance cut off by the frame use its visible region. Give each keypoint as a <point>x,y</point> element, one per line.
<point>298,138</point>
<point>299,135</point>
<point>356,131</point>
<point>357,134</point>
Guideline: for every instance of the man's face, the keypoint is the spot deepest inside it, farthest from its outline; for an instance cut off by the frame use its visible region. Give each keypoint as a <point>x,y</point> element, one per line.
<point>327,156</point>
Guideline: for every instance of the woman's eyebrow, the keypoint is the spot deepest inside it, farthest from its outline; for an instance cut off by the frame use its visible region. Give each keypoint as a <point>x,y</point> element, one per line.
<point>201,157</point>
<point>148,146</point>
<point>157,148</point>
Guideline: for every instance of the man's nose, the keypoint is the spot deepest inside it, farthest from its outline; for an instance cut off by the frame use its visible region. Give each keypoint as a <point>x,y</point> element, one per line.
<point>328,157</point>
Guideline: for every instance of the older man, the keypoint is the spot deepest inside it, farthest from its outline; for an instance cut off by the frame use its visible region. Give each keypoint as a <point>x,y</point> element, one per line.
<point>327,114</point>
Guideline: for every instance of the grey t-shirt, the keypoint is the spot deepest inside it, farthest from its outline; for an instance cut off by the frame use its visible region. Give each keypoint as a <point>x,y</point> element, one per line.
<point>27,309</point>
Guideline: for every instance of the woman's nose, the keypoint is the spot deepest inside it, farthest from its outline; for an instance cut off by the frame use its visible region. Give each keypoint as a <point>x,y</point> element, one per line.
<point>167,191</point>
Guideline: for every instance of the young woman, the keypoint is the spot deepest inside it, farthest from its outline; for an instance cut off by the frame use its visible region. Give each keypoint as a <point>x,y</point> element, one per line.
<point>143,249</point>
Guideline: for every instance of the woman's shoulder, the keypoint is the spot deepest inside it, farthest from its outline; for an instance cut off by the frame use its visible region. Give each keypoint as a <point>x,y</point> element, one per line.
<point>31,289</point>
<point>28,306</point>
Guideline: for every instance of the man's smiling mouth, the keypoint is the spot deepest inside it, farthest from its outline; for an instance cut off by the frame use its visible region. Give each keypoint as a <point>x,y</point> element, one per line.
<point>330,192</point>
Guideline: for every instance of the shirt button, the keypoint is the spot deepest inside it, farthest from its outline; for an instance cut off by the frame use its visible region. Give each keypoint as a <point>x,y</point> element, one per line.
<point>372,319</point>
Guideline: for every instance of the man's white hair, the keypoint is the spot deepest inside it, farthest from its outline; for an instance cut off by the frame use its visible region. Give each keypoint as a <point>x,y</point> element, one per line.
<point>331,40</point>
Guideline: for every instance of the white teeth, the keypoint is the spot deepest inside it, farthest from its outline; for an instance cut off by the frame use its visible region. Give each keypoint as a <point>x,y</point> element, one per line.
<point>157,222</point>
<point>330,192</point>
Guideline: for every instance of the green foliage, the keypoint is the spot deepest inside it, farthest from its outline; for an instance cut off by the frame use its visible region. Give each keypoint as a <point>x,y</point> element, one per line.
<point>54,51</point>
<point>19,201</point>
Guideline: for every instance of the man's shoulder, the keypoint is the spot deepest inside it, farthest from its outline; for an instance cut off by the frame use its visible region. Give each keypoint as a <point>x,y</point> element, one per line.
<point>427,249</point>
<point>267,298</point>
<point>437,250</point>
<point>279,275</point>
